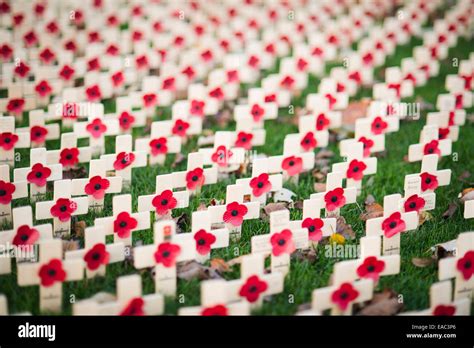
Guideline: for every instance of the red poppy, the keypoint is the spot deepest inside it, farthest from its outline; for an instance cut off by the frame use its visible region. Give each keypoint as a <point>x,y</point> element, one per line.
<point>302,64</point>
<point>467,81</point>
<point>159,146</point>
<point>414,203</point>
<point>94,36</point>
<point>443,133</point>
<point>393,225</point>
<point>38,175</point>
<point>195,178</point>
<point>66,72</point>
<point>204,241</point>
<point>207,55</point>
<point>332,100</point>
<point>368,58</point>
<point>6,52</point>
<point>52,272</point>
<point>30,38</point>
<point>459,101</point>
<point>217,310</point>
<point>378,125</point>
<point>112,50</point>
<point>93,93</point>
<point>270,98</point>
<point>368,144</point>
<point>221,156</point>
<point>232,76</point>
<point>340,88</point>
<point>282,243</point>
<point>444,310</point>
<point>70,45</point>
<point>287,82</point>
<point>217,93</point>
<point>322,122</point>
<point>189,72</point>
<point>47,56</point>
<point>244,140</point>
<point>124,160</point>
<point>96,128</point>
<point>134,308</point>
<point>356,77</point>
<point>371,268</point>
<point>235,213</point>
<point>118,79</point>
<point>260,185</point>
<point>166,254</point>
<point>292,165</point>
<point>6,192</point>
<point>253,288</point>
<point>253,61</point>
<point>410,77</point>
<point>164,202</point>
<point>25,236</point>
<point>142,62</point>
<point>22,70</point>
<point>63,209</point>
<point>344,295</point>
<point>112,20</point>
<point>97,256</point>
<point>126,120</point>
<point>69,157</point>
<point>124,223</point>
<point>335,199</point>
<point>93,64</point>
<point>180,128</point>
<point>355,171</point>
<point>432,148</point>
<point>428,182</point>
<point>97,186</point>
<point>15,105</point>
<point>314,227</point>
<point>308,142</point>
<point>169,84</point>
<point>197,108</point>
<point>257,112</point>
<point>465,265</point>
<point>8,140</point>
<point>38,134</point>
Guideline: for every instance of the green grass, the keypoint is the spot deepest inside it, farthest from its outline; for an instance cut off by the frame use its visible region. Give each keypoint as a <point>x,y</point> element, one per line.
<point>413,283</point>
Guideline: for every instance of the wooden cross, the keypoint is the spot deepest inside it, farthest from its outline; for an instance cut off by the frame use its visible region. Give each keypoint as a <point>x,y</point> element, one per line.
<point>123,222</point>
<point>38,130</point>
<point>22,238</point>
<point>224,155</point>
<point>168,248</point>
<point>233,213</point>
<point>321,117</point>
<point>455,86</point>
<point>469,209</point>
<point>429,144</point>
<point>11,140</point>
<point>328,89</point>
<point>460,267</point>
<point>195,176</point>
<point>256,108</point>
<point>95,129</point>
<point>392,224</point>
<point>377,122</point>
<point>62,208</point>
<point>127,117</point>
<point>96,253</point>
<point>130,301</point>
<point>8,192</point>
<point>124,159</point>
<point>335,197</point>
<point>4,307</point>
<point>97,185</point>
<point>49,273</point>
<point>431,177</point>
<point>69,155</point>
<point>414,198</point>
<point>281,242</point>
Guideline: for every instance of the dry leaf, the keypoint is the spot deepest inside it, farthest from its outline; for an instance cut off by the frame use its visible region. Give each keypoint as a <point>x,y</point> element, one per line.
<point>324,154</point>
<point>445,249</point>
<point>194,270</point>
<point>235,261</point>
<point>220,266</point>
<point>422,262</point>
<point>181,222</point>
<point>373,210</point>
<point>298,205</point>
<point>450,211</point>
<point>424,216</point>
<point>319,187</point>
<point>79,227</point>
<point>384,303</point>
<point>271,207</point>
<point>464,175</point>
<point>305,255</point>
<point>369,199</point>
<point>75,173</point>
<point>344,228</point>
<point>70,245</point>
<point>179,158</point>
<point>354,111</point>
<point>467,194</point>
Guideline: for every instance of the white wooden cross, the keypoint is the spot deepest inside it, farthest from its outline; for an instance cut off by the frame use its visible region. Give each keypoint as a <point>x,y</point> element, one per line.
<point>95,129</point>
<point>414,198</point>
<point>8,192</point>
<point>311,220</point>
<point>469,209</point>
<point>441,302</point>
<point>328,90</point>
<point>11,140</point>
<point>356,167</point>
<point>124,159</point>
<point>62,208</point>
<point>168,248</point>
<point>335,197</point>
<point>392,224</point>
<point>160,143</point>
<point>130,301</point>
<point>38,130</point>
<point>377,122</point>
<point>281,242</point>
<point>22,238</point>
<point>256,110</point>
<point>97,185</point>
<point>431,177</point>
<point>311,133</point>
<point>446,123</point>
<point>321,117</point>
<point>233,213</point>
<point>370,265</point>
<point>96,253</point>
<point>460,267</point>
<point>49,273</point>
<point>224,155</point>
<point>394,85</point>
<point>38,173</point>
<point>69,155</point>
<point>123,222</point>
<point>261,184</point>
<point>455,86</point>
<point>195,176</point>
<point>128,118</point>
<point>247,137</point>
<point>429,144</point>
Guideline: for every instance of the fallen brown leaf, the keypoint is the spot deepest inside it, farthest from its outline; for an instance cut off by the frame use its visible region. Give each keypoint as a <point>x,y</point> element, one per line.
<point>319,187</point>
<point>424,216</point>
<point>467,194</point>
<point>179,158</point>
<point>422,262</point>
<point>75,173</point>
<point>271,207</point>
<point>384,303</point>
<point>464,175</point>
<point>344,229</point>
<point>70,245</point>
<point>305,255</point>
<point>354,110</point>
<point>450,211</point>
<point>324,154</point>
<point>79,228</point>
<point>194,270</point>
<point>220,265</point>
<point>372,209</point>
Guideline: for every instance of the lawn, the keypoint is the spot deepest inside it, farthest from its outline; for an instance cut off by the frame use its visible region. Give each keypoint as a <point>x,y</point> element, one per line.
<point>412,282</point>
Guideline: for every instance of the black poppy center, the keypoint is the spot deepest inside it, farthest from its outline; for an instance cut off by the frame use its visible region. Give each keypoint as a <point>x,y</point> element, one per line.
<point>430,150</point>
<point>234,213</point>
<point>412,205</point>
<point>164,202</point>
<point>355,170</point>
<point>243,139</point>
<point>253,288</point>
<point>69,156</point>
<point>3,192</point>
<point>201,241</point>
<point>468,265</point>
<point>97,186</point>
<point>281,242</point>
<point>24,237</point>
<point>180,128</point>
<point>158,146</point>
<point>370,268</point>
<point>311,229</point>
<point>195,178</point>
<point>428,180</point>
<point>124,161</point>
<point>96,257</point>
<point>97,128</point>
<point>377,125</point>
<point>52,272</point>
<point>334,199</point>
<point>393,224</point>
<point>344,295</point>
<point>166,253</point>
<point>123,224</point>
<point>63,208</point>
<point>7,140</point>
<point>260,184</point>
<point>38,134</point>
<point>291,163</point>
